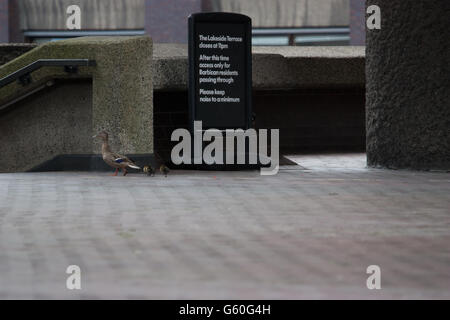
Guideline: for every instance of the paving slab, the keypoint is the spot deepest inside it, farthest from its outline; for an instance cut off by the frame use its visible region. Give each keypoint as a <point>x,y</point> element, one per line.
<point>309,232</point>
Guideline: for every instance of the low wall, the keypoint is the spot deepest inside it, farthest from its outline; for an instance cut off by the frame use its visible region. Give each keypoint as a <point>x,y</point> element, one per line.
<point>314,95</point>
<point>55,121</point>
<point>121,101</point>
<point>273,67</point>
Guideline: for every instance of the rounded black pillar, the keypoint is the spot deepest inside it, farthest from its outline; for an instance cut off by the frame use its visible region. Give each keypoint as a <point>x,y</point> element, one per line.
<point>408,85</point>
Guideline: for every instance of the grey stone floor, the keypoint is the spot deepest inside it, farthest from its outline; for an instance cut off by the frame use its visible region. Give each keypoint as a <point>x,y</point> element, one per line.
<point>306,233</point>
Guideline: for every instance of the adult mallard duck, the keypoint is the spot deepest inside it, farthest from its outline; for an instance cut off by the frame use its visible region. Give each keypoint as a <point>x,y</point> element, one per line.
<point>113,159</point>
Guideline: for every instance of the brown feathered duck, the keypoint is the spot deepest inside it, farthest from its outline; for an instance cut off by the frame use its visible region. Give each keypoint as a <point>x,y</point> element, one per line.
<point>114,160</point>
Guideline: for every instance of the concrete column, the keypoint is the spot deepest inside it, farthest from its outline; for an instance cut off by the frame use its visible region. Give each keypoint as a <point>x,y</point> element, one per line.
<point>357,23</point>
<point>4,21</point>
<point>166,21</point>
<point>10,30</point>
<point>121,103</point>
<point>408,97</point>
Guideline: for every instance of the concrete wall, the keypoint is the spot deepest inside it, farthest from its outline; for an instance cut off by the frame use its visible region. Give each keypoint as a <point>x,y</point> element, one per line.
<point>53,122</point>
<point>9,22</point>
<point>408,67</point>
<point>274,67</point>
<point>289,13</point>
<point>130,14</point>
<point>166,21</point>
<point>122,92</point>
<point>315,95</point>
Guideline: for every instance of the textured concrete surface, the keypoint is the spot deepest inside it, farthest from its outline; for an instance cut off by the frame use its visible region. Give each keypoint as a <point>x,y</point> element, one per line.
<point>56,121</point>
<point>122,93</point>
<point>309,232</point>
<point>408,67</point>
<point>273,67</point>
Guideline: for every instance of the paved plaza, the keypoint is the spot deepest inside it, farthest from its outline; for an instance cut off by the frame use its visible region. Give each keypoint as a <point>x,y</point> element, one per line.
<point>309,232</point>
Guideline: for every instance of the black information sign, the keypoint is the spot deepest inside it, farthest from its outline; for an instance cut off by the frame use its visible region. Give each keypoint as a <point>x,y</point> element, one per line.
<point>220,76</point>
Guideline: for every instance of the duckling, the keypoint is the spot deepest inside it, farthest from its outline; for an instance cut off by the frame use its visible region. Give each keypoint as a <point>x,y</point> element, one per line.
<point>162,167</point>
<point>113,159</point>
<point>149,170</point>
<point>164,170</point>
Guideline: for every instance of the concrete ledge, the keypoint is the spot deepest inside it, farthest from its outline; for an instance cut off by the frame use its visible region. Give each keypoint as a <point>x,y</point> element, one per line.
<point>273,67</point>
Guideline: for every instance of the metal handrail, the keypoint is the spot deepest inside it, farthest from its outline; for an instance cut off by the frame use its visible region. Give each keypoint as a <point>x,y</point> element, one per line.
<point>296,36</point>
<point>69,64</point>
<point>300,31</point>
<point>82,33</point>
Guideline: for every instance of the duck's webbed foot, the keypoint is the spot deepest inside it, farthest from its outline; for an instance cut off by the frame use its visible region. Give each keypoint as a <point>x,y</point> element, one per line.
<point>125,172</point>
<point>115,173</point>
